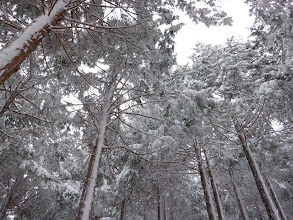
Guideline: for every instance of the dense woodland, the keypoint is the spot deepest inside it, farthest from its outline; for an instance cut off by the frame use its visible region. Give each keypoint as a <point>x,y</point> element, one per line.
<point>98,122</point>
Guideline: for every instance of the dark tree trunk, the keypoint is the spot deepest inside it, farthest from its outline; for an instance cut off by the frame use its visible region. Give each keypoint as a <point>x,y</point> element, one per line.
<point>266,198</point>
<point>86,183</point>
<point>259,212</point>
<point>9,198</point>
<point>171,206</point>
<point>275,199</point>
<point>206,190</point>
<point>215,189</point>
<point>125,200</point>
<point>159,203</point>
<point>144,213</point>
<point>238,198</point>
<point>165,209</point>
<point>123,209</point>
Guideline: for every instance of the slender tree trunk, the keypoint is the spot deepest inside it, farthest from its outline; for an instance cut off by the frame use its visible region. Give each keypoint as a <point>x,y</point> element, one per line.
<point>258,212</point>
<point>144,213</point>
<point>123,209</point>
<point>238,198</point>
<point>8,198</point>
<point>275,199</point>
<point>205,186</point>
<point>171,215</point>
<point>264,193</point>
<point>165,209</point>
<point>159,203</point>
<point>215,189</point>
<point>13,55</point>
<point>171,205</point>
<point>124,203</point>
<point>90,182</point>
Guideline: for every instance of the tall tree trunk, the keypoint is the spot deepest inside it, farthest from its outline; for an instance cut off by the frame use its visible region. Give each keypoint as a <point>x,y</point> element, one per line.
<point>159,203</point>
<point>144,213</point>
<point>123,209</point>
<point>238,198</point>
<point>259,212</point>
<point>275,199</point>
<point>171,214</point>
<point>9,198</point>
<point>90,182</point>
<point>263,190</point>
<point>205,186</point>
<point>171,205</point>
<point>165,209</point>
<point>125,200</point>
<point>12,56</point>
<point>215,189</point>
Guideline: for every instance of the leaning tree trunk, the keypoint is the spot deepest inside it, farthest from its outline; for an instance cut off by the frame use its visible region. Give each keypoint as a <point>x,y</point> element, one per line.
<point>90,182</point>
<point>238,198</point>
<point>205,186</point>
<point>275,199</point>
<point>259,212</point>
<point>215,190</point>
<point>12,56</point>
<point>9,197</point>
<point>263,190</point>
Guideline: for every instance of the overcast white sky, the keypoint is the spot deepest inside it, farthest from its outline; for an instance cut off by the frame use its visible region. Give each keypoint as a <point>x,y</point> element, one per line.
<point>192,33</point>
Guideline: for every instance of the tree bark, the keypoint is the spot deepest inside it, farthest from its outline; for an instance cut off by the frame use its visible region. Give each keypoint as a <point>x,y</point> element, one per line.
<point>144,213</point>
<point>159,203</point>
<point>9,198</point>
<point>171,205</point>
<point>258,212</point>
<point>215,189</point>
<point>13,55</point>
<point>123,209</point>
<point>264,193</point>
<point>275,199</point>
<point>238,198</point>
<point>204,182</point>
<point>165,209</point>
<point>87,197</point>
<point>125,200</point>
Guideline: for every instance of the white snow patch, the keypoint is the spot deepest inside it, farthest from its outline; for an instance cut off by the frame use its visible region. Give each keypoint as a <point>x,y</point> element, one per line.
<point>105,186</point>
<point>72,187</point>
<point>23,164</point>
<point>268,87</point>
<point>282,186</point>
<point>123,173</point>
<point>40,170</point>
<point>277,125</point>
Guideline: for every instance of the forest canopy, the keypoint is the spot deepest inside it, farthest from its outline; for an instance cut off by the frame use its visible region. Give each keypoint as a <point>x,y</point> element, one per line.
<point>96,123</point>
